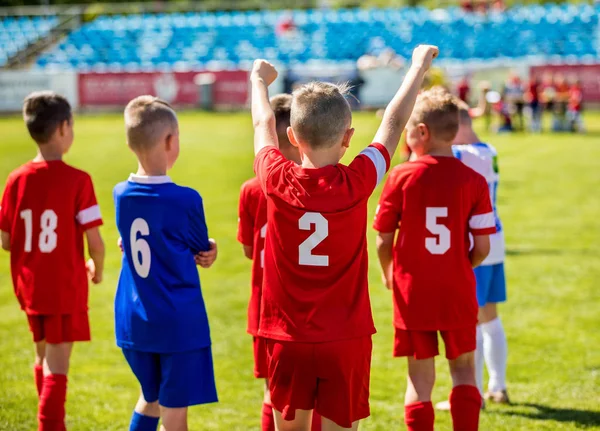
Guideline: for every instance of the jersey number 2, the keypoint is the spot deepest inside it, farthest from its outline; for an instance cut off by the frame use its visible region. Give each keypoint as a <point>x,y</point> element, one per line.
<point>441,243</point>
<point>321,232</point>
<point>140,250</point>
<point>48,224</point>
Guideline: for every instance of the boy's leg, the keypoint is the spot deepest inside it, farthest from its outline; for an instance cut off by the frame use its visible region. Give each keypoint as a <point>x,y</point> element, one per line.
<point>51,410</point>
<point>465,399</point>
<point>38,367</point>
<point>418,409</point>
<point>301,421</point>
<point>328,425</point>
<point>145,415</point>
<point>261,371</point>
<point>173,419</point>
<point>268,419</point>
<point>146,368</point>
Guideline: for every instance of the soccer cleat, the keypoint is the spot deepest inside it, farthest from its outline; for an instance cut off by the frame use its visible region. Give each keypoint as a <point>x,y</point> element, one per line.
<point>445,405</point>
<point>499,397</point>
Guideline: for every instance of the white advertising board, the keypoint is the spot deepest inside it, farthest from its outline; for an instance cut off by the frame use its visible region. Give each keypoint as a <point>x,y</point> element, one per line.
<point>16,85</point>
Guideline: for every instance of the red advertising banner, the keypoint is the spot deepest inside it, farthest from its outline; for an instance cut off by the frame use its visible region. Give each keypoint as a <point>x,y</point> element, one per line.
<point>588,75</point>
<point>117,89</point>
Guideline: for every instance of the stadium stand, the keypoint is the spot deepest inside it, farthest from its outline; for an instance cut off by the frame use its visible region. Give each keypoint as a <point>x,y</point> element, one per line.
<point>16,33</point>
<point>227,40</point>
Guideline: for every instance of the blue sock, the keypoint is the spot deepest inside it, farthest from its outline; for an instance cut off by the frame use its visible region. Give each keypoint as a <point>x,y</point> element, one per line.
<point>139,422</point>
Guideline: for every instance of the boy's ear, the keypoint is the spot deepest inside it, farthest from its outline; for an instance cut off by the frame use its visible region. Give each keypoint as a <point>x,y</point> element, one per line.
<point>347,137</point>
<point>292,137</point>
<point>423,131</point>
<point>169,141</point>
<point>62,128</point>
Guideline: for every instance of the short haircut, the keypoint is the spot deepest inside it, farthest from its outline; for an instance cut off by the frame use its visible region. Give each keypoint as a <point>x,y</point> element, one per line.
<point>437,109</point>
<point>320,113</point>
<point>147,119</point>
<point>282,105</point>
<point>44,112</point>
<point>464,117</point>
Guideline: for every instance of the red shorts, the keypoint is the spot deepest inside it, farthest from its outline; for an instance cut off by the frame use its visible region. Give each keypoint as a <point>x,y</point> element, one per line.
<point>333,378</point>
<point>261,364</point>
<point>424,344</point>
<point>60,328</point>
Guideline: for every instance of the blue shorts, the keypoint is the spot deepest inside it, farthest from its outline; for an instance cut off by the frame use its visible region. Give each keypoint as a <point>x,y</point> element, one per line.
<point>491,284</point>
<point>175,379</point>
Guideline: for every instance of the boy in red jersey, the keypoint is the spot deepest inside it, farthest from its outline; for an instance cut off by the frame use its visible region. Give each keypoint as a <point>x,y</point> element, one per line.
<point>252,229</point>
<point>435,202</point>
<point>315,309</point>
<point>46,209</point>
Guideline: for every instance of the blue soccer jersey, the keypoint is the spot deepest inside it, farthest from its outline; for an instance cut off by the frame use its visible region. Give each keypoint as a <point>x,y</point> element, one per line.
<point>483,159</point>
<point>159,306</point>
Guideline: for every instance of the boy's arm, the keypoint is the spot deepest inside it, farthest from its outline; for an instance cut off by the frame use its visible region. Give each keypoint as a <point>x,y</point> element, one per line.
<point>248,251</point>
<point>385,246</point>
<point>5,239</point>
<point>197,239</point>
<point>96,250</point>
<point>400,108</point>
<point>481,248</point>
<point>263,118</point>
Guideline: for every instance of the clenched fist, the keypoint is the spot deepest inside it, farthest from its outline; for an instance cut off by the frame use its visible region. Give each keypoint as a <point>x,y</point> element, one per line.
<point>423,55</point>
<point>264,70</point>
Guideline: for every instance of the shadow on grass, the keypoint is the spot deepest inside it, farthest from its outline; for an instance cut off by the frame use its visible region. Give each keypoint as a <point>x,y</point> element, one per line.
<point>518,252</point>
<point>546,413</point>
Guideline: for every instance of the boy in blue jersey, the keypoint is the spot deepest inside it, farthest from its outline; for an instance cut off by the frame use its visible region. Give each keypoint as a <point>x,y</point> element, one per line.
<point>491,282</point>
<point>160,317</point>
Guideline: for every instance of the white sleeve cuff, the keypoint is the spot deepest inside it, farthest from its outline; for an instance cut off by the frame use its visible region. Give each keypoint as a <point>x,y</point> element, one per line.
<point>378,160</point>
<point>482,221</point>
<point>89,215</point>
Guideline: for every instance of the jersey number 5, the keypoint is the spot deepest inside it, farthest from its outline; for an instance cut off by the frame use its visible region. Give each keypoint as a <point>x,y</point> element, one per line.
<point>321,232</point>
<point>48,224</point>
<point>140,250</point>
<point>441,243</point>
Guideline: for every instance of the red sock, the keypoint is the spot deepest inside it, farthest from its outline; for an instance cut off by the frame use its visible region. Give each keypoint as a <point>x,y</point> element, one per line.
<point>419,416</point>
<point>268,420</point>
<point>465,405</point>
<point>51,412</point>
<point>38,372</point>
<point>316,422</point>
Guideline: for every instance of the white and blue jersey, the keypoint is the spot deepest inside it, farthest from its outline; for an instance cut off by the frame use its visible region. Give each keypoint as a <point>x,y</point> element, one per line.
<point>483,159</point>
<point>159,306</point>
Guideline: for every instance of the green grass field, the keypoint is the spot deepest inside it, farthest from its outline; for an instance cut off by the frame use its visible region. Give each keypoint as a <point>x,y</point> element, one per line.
<point>549,200</point>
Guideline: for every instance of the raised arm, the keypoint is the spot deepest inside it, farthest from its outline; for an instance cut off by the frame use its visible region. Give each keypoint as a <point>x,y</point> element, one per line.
<point>400,108</point>
<point>263,118</point>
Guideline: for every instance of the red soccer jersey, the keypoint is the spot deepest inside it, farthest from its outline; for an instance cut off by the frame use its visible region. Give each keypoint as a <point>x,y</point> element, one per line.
<point>575,98</point>
<point>252,228</point>
<point>315,285</point>
<point>46,208</point>
<point>435,202</point>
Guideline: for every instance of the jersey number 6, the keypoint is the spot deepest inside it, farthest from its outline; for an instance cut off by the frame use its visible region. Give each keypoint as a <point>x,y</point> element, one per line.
<point>321,232</point>
<point>140,250</point>
<point>441,243</point>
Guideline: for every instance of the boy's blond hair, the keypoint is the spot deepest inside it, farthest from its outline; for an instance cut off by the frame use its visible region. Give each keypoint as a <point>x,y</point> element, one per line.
<point>320,114</point>
<point>147,119</point>
<point>437,109</point>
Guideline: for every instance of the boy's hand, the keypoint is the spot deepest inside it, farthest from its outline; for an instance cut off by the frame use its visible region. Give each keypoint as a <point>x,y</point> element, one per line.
<point>205,259</point>
<point>264,70</point>
<point>388,279</point>
<point>120,244</point>
<point>91,270</point>
<point>423,55</point>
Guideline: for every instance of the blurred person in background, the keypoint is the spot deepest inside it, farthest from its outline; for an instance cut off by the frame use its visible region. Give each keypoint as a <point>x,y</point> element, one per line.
<point>513,95</point>
<point>575,107</point>
<point>532,98</point>
<point>463,89</point>
<point>548,93</point>
<point>559,118</point>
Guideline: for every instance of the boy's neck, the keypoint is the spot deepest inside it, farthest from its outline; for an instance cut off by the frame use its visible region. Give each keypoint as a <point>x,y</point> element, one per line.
<point>150,171</point>
<point>319,159</point>
<point>48,152</point>
<point>439,149</point>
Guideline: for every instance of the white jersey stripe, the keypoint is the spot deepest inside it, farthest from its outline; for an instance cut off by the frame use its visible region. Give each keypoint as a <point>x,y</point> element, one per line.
<point>378,160</point>
<point>89,215</point>
<point>482,221</point>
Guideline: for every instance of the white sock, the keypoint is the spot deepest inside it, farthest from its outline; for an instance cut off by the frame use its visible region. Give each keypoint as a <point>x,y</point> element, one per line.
<point>479,360</point>
<point>495,351</point>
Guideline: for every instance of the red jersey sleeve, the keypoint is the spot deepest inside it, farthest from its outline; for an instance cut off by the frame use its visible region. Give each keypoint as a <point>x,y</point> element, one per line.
<point>371,164</point>
<point>7,207</point>
<point>245,218</point>
<point>88,212</point>
<point>266,162</point>
<point>389,210</point>
<point>482,221</point>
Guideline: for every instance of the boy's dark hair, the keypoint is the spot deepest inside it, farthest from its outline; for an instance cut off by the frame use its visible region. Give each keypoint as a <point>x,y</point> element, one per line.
<point>44,112</point>
<point>282,105</point>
